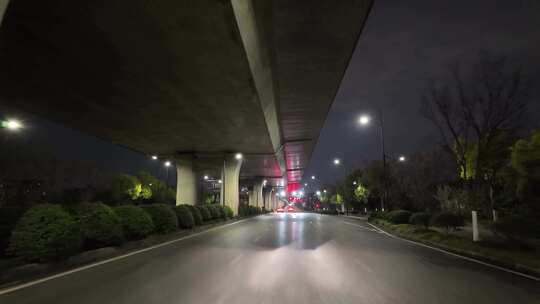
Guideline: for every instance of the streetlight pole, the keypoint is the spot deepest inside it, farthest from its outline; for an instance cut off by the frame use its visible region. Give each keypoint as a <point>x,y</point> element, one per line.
<point>384,197</point>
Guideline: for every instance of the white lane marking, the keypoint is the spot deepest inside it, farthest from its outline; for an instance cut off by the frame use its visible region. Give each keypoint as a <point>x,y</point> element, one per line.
<point>62,274</point>
<point>459,256</point>
<point>236,259</point>
<point>363,265</point>
<point>360,226</point>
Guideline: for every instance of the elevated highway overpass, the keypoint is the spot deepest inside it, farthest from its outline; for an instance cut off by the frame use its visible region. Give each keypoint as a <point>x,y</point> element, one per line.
<point>192,81</point>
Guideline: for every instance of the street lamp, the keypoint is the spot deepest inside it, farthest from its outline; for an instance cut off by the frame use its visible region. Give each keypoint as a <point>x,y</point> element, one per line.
<point>12,124</point>
<point>167,165</point>
<point>337,161</point>
<point>354,183</point>
<point>154,157</point>
<point>402,158</point>
<point>318,193</point>
<point>365,120</point>
<point>238,156</point>
<point>324,190</point>
<point>313,177</point>
<point>206,177</point>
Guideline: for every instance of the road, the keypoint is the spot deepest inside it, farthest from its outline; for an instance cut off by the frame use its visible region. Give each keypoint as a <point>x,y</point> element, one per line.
<point>285,258</point>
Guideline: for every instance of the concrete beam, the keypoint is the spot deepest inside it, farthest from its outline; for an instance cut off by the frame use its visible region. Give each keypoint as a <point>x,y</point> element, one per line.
<point>230,176</point>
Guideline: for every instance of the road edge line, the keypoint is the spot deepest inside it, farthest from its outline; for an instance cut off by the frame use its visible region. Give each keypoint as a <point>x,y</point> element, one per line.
<point>458,255</point>
<point>116,258</point>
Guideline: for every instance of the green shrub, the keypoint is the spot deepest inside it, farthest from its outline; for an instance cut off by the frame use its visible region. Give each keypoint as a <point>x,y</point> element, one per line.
<point>185,218</point>
<point>399,216</point>
<point>228,212</point>
<point>447,220</point>
<point>243,210</point>
<point>205,212</point>
<point>163,216</point>
<point>215,211</point>
<point>99,225</point>
<point>45,232</point>
<point>136,223</point>
<point>421,219</point>
<point>377,215</point>
<point>515,227</point>
<point>9,216</point>
<point>196,213</point>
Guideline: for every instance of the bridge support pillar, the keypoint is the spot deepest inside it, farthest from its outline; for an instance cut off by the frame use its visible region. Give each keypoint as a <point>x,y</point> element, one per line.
<point>187,181</point>
<point>230,176</point>
<point>267,199</point>
<point>258,193</point>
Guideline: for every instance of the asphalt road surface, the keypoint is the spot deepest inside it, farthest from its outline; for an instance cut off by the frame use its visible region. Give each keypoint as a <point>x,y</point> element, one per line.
<point>286,258</point>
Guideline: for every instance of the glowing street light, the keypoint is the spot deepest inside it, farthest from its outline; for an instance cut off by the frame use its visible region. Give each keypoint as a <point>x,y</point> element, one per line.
<point>220,181</point>
<point>167,164</point>
<point>238,156</point>
<point>324,190</point>
<point>12,124</point>
<point>364,120</point>
<point>305,184</point>
<point>313,177</point>
<point>154,157</point>
<point>337,161</point>
<point>318,193</point>
<point>402,158</point>
<point>206,177</point>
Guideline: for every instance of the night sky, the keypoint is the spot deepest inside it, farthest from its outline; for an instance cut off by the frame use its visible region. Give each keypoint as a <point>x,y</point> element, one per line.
<point>402,47</point>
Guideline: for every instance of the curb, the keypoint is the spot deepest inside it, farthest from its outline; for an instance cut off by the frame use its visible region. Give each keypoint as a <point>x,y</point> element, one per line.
<point>515,269</point>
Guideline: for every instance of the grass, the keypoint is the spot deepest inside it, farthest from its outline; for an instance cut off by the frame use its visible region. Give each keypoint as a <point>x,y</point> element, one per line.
<point>501,251</point>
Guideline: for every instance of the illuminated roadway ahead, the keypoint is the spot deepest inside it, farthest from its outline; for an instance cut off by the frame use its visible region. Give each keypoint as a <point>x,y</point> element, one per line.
<point>285,258</point>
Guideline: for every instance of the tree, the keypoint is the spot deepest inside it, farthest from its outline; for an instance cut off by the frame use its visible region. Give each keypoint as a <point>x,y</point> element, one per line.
<point>125,188</point>
<point>476,112</point>
<point>471,112</point>
<point>525,161</point>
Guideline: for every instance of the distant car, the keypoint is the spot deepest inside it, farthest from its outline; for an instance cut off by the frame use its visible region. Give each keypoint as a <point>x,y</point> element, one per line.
<point>280,210</point>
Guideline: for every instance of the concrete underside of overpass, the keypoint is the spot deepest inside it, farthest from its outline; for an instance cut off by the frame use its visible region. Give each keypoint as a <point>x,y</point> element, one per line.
<point>184,77</point>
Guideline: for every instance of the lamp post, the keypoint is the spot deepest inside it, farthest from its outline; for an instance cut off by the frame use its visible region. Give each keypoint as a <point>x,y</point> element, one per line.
<point>365,120</point>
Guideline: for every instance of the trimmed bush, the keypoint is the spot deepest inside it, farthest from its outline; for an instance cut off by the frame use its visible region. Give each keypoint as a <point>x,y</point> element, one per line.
<point>205,212</point>
<point>99,225</point>
<point>228,212</point>
<point>515,227</point>
<point>9,216</point>
<point>163,216</point>
<point>45,232</point>
<point>185,218</point>
<point>196,213</point>
<point>243,210</point>
<point>421,219</point>
<point>377,215</point>
<point>399,216</point>
<point>215,211</point>
<point>447,220</point>
<point>136,223</point>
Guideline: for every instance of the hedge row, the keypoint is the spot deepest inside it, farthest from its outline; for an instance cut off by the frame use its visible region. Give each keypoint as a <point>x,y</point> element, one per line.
<point>446,220</point>
<point>49,232</point>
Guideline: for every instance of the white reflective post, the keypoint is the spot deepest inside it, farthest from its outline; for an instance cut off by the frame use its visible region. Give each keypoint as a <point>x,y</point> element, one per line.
<point>475,226</point>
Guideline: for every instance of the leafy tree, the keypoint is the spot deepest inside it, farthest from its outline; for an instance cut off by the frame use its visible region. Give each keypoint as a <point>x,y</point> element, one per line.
<point>126,188</point>
<point>525,161</point>
<point>361,193</point>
